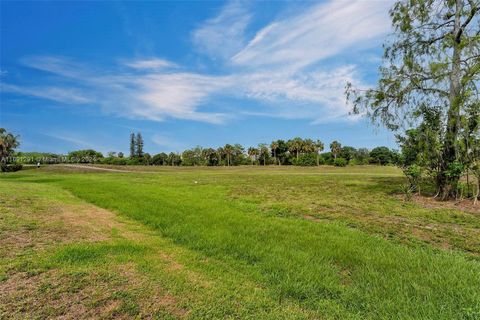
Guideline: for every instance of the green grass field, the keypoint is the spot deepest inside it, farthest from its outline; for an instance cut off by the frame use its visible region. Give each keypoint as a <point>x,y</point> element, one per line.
<point>239,243</point>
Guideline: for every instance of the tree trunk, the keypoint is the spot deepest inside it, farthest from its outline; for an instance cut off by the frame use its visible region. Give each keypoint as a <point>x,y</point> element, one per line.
<point>468,185</point>
<point>478,191</point>
<point>450,148</point>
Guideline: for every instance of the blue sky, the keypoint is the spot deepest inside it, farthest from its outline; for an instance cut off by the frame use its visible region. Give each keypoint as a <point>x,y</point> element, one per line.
<point>78,75</point>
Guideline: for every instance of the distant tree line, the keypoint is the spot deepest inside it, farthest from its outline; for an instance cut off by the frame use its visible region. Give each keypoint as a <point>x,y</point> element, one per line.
<point>296,151</point>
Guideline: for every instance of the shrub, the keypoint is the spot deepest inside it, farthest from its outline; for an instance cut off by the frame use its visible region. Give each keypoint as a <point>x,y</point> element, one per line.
<point>414,175</point>
<point>340,162</point>
<point>327,158</point>
<point>353,162</point>
<point>11,167</point>
<point>306,160</point>
<point>133,161</point>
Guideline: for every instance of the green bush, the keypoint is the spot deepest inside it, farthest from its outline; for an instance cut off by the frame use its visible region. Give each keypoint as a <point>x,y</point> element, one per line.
<point>306,160</point>
<point>114,161</point>
<point>12,167</point>
<point>133,161</point>
<point>353,162</point>
<point>414,175</point>
<point>327,158</point>
<point>340,162</point>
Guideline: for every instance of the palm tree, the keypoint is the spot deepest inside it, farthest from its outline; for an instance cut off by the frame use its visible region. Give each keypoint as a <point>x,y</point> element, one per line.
<point>318,148</point>
<point>220,152</point>
<point>237,152</point>
<point>171,158</point>
<point>295,146</point>
<point>210,156</point>
<point>274,146</point>
<point>252,153</point>
<point>308,146</point>
<point>335,148</point>
<point>262,147</point>
<point>228,149</point>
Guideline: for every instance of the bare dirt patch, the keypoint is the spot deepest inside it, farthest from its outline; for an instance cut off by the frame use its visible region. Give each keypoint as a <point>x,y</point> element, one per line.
<point>465,205</point>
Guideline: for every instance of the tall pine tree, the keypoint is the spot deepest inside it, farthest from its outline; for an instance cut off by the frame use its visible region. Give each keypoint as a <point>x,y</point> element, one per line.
<point>132,145</point>
<point>139,145</point>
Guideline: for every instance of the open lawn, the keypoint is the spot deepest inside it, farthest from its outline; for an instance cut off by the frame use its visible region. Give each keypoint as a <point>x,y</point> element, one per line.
<point>244,243</point>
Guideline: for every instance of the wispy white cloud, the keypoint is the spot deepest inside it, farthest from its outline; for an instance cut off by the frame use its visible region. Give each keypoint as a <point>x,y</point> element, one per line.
<point>64,95</point>
<point>224,35</point>
<point>283,67</point>
<point>147,94</point>
<point>317,95</point>
<point>74,141</point>
<point>150,64</point>
<point>320,32</point>
<point>58,65</point>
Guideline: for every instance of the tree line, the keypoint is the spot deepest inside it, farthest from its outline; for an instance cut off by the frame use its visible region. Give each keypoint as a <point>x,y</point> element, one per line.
<point>296,151</point>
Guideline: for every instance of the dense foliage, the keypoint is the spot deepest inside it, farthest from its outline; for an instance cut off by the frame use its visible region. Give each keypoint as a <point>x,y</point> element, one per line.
<point>8,143</point>
<point>296,151</point>
<point>428,87</point>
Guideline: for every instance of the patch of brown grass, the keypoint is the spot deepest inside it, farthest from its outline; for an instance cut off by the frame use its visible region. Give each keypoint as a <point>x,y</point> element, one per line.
<point>465,205</point>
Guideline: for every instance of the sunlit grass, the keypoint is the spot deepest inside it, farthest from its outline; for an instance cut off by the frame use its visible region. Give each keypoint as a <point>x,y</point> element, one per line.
<point>255,226</point>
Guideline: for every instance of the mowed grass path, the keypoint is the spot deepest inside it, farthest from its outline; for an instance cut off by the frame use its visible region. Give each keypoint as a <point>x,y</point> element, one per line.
<point>314,241</point>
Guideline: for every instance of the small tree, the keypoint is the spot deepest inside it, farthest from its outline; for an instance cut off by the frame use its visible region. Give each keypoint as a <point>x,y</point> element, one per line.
<point>414,175</point>
<point>253,153</point>
<point>335,148</point>
<point>381,155</point>
<point>362,155</point>
<point>274,146</point>
<point>295,146</point>
<point>318,148</point>
<point>210,157</point>
<point>228,149</point>
<point>264,153</point>
<point>8,142</point>
<point>348,153</point>
<point>160,159</point>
